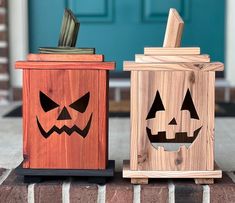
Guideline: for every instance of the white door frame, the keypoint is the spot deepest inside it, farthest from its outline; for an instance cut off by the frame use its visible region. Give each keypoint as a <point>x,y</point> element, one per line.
<point>18,37</point>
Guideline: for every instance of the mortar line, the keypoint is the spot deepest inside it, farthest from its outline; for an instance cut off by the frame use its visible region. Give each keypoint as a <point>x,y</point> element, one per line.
<point>65,191</point>
<point>206,194</point>
<point>171,191</point>
<point>137,194</point>
<point>101,194</point>
<point>31,193</point>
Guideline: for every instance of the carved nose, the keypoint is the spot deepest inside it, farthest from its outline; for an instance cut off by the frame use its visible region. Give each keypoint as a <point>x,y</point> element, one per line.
<point>64,115</point>
<point>173,122</point>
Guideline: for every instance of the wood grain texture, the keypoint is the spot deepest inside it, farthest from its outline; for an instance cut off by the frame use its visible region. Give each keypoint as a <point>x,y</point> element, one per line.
<point>141,58</point>
<point>127,173</point>
<point>139,181</point>
<point>204,181</point>
<point>174,29</point>
<point>65,57</point>
<point>171,51</point>
<point>103,118</point>
<point>134,120</point>
<point>61,151</point>
<point>26,114</point>
<point>132,66</point>
<point>172,87</point>
<point>54,65</point>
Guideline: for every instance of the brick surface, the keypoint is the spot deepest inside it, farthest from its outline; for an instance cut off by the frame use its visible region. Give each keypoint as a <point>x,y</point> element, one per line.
<point>155,191</point>
<point>119,190</point>
<point>80,192</point>
<point>3,19</point>
<point>4,85</point>
<point>46,192</point>
<point>3,3</point>
<point>3,68</point>
<point>13,190</point>
<point>3,36</point>
<point>4,52</point>
<point>187,191</point>
<point>17,94</point>
<point>223,190</point>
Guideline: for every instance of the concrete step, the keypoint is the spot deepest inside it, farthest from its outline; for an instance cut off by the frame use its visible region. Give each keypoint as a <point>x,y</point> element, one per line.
<point>118,190</point>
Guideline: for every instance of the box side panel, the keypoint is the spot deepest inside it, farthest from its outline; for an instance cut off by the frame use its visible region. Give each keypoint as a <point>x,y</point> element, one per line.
<point>63,120</point>
<point>172,110</point>
<point>103,118</point>
<point>134,121</point>
<point>211,121</point>
<point>26,105</point>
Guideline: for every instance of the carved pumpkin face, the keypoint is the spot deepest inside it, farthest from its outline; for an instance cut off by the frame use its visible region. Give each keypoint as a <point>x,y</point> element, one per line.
<point>80,105</point>
<point>177,129</point>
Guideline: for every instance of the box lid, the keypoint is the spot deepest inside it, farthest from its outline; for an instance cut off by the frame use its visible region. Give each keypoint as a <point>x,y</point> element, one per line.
<point>65,61</point>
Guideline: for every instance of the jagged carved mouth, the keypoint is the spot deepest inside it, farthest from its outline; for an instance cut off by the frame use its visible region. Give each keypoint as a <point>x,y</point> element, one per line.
<point>180,137</point>
<point>83,132</point>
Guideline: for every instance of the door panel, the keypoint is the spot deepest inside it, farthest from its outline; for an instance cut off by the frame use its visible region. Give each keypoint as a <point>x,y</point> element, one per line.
<point>119,29</point>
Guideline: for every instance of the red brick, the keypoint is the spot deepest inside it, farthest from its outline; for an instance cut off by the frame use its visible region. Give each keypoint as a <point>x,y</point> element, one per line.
<point>13,190</point>
<point>125,94</point>
<point>155,191</point>
<point>3,3</point>
<point>46,192</point>
<point>3,19</point>
<point>4,85</point>
<point>219,94</point>
<point>3,68</point>
<point>17,94</point>
<point>111,93</point>
<point>80,193</point>
<point>187,191</point>
<point>4,52</point>
<point>223,190</point>
<point>3,36</point>
<point>119,190</point>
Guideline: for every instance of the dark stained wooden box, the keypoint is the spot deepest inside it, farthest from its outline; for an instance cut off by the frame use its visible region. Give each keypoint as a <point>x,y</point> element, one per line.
<point>65,111</point>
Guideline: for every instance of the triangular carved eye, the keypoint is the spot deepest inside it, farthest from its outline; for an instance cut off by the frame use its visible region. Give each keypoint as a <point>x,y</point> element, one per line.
<point>81,104</point>
<point>46,102</point>
<point>189,106</point>
<point>156,106</point>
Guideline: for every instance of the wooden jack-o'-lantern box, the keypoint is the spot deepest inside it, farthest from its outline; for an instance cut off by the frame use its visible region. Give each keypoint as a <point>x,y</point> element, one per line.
<point>65,111</point>
<point>172,112</point>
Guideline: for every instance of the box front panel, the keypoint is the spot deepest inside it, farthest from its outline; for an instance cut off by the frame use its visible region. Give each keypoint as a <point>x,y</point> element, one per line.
<point>173,121</point>
<point>62,119</point>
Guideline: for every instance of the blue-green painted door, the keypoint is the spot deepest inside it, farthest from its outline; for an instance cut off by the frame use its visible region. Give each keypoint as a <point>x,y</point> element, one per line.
<point>121,28</point>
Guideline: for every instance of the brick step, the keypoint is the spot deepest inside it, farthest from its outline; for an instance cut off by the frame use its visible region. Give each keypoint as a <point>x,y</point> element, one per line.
<point>12,189</point>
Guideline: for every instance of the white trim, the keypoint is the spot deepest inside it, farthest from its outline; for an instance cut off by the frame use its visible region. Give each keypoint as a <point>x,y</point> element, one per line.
<point>18,37</point>
<point>230,42</point>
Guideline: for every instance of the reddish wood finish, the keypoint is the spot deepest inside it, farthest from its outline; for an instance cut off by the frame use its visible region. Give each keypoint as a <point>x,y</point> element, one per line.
<point>103,118</point>
<point>65,57</point>
<point>64,86</point>
<point>64,65</point>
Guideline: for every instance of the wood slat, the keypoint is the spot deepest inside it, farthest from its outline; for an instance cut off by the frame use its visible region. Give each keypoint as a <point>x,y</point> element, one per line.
<point>66,57</point>
<point>171,51</point>
<point>64,65</point>
<point>174,29</point>
<point>127,173</point>
<point>141,58</point>
<point>132,66</point>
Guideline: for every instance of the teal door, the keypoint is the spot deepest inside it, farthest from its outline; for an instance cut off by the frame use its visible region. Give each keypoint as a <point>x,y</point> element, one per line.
<point>121,28</point>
